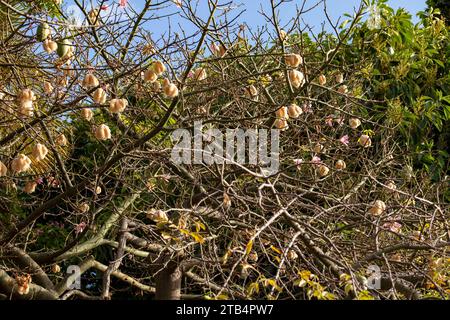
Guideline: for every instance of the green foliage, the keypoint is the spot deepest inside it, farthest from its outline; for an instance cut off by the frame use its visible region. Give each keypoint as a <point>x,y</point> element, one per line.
<point>406,66</point>
<point>443,6</point>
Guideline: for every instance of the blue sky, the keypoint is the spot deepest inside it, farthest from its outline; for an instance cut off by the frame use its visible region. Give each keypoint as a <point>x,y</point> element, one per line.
<point>252,17</point>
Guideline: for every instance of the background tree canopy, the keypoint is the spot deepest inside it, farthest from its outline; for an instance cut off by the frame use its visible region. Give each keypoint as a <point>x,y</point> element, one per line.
<point>88,180</point>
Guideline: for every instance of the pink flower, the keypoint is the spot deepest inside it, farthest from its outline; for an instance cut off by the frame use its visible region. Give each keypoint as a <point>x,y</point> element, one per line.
<point>393,226</point>
<point>329,121</point>
<point>104,7</point>
<point>123,3</point>
<point>345,140</point>
<point>316,160</point>
<point>307,107</point>
<point>79,228</point>
<point>298,162</point>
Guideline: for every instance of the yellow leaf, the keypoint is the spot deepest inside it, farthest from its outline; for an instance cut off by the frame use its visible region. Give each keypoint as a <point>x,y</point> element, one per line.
<point>249,247</point>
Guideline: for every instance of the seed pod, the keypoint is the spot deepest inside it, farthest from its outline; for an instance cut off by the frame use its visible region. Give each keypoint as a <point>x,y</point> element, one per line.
<point>3,169</point>
<point>365,141</point>
<point>21,163</point>
<point>251,91</point>
<point>339,78</point>
<point>48,88</point>
<point>297,78</point>
<point>27,95</point>
<point>340,165</point>
<point>292,255</point>
<point>98,190</point>
<point>157,215</point>
<point>94,17</point>
<point>200,74</point>
<point>322,80</point>
<point>43,31</point>
<point>159,67</point>
<point>50,46</point>
<point>282,113</point>
<point>343,89</point>
<point>56,268</point>
<point>281,124</point>
<point>294,111</point>
<point>354,123</point>
<point>87,114</point>
<point>150,76</point>
<point>378,207</point>
<point>30,187</point>
<point>293,60</point>
<point>118,105</point>
<point>323,170</point>
<point>39,152</point>
<point>283,35</point>
<point>318,148</point>
<point>26,108</point>
<point>99,96</point>
<point>64,48</point>
<point>90,81</point>
<point>226,201</point>
<point>61,140</point>
<point>170,89</point>
<point>390,186</point>
<point>83,208</point>
<point>103,132</point>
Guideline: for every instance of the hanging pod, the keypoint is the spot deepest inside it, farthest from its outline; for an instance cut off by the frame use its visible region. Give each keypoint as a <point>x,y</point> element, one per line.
<point>3,169</point>
<point>61,140</point>
<point>90,81</point>
<point>103,132</point>
<point>118,105</point>
<point>87,114</point>
<point>64,47</point>
<point>170,89</point>
<point>150,76</point>
<point>293,60</point>
<point>50,45</point>
<point>43,31</point>
<point>294,111</point>
<point>39,152</point>
<point>159,67</point>
<point>297,78</point>
<point>99,96</point>
<point>30,187</point>
<point>21,163</point>
<point>282,113</point>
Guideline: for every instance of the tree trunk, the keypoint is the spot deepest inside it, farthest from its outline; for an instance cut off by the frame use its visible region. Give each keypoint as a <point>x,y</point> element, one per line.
<point>168,282</point>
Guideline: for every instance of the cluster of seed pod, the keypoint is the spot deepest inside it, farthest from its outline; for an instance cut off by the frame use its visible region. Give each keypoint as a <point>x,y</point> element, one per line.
<point>156,70</point>
<point>284,113</point>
